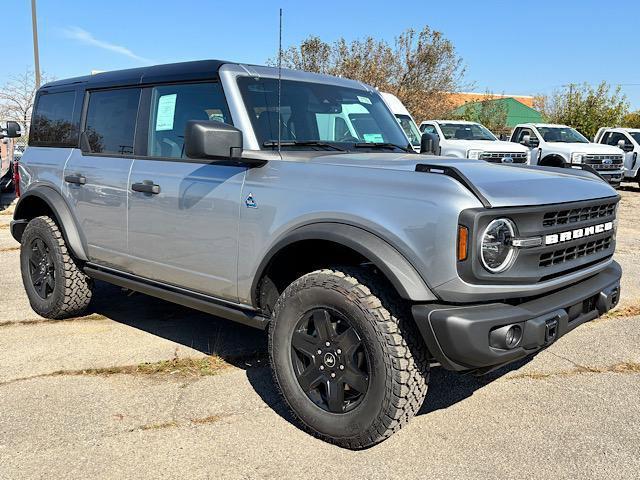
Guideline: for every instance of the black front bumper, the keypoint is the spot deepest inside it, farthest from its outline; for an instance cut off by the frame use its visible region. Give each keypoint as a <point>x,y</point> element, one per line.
<point>459,336</point>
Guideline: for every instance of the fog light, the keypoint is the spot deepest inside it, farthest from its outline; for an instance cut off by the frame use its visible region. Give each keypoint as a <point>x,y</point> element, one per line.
<point>506,338</point>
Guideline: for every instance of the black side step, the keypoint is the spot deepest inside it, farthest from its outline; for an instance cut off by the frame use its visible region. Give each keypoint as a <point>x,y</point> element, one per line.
<point>456,174</point>
<point>193,300</point>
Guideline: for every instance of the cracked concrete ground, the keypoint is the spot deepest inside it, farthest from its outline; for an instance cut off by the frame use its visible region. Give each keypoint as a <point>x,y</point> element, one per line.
<point>74,402</point>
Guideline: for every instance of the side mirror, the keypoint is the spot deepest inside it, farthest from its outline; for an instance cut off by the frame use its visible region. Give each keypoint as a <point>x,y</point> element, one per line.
<point>429,143</point>
<point>526,140</point>
<point>624,146</point>
<point>212,140</point>
<point>13,130</point>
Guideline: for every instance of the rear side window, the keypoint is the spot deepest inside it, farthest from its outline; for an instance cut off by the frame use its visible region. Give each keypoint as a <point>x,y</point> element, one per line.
<point>53,121</point>
<point>111,121</point>
<point>172,106</point>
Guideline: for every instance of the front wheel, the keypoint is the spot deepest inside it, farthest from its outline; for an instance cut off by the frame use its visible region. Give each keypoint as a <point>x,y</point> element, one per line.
<point>56,286</point>
<point>346,357</point>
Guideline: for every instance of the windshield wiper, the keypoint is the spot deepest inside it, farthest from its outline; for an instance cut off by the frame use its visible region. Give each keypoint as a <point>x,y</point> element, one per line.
<point>381,145</point>
<point>302,143</point>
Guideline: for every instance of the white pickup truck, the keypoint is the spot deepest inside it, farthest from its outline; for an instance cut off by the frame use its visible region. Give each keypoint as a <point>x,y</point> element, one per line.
<point>472,140</point>
<point>628,140</point>
<point>561,146</point>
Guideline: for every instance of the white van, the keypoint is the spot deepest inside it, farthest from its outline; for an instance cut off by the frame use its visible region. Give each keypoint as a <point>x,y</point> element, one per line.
<point>404,119</point>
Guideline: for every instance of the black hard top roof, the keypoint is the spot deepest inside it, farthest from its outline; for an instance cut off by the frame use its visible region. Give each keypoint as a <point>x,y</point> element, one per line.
<point>196,70</point>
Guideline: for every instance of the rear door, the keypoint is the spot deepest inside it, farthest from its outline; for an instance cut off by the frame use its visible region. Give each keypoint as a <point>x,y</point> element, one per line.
<point>96,176</point>
<point>186,233</point>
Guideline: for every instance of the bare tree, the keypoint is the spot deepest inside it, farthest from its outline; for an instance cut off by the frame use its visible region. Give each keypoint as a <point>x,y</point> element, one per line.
<point>17,96</point>
<point>420,68</point>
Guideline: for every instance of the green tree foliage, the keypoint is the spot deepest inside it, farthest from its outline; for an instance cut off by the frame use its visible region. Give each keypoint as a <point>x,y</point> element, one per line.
<point>418,67</point>
<point>631,120</point>
<point>584,107</point>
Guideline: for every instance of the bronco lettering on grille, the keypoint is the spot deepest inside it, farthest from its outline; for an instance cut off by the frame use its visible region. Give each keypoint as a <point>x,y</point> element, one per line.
<point>577,233</point>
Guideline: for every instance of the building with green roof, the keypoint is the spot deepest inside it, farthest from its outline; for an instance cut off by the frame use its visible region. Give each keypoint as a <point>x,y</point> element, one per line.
<point>517,112</point>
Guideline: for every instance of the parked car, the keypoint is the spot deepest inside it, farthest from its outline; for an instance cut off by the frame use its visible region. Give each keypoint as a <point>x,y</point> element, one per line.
<point>562,146</point>
<point>628,140</point>
<point>210,184</point>
<point>463,139</point>
<point>404,118</point>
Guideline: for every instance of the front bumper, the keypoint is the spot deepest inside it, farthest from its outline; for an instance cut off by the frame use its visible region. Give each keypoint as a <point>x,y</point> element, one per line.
<point>613,178</point>
<point>459,336</point>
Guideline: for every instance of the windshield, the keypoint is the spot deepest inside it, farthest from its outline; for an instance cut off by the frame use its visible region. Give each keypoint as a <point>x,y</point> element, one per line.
<point>561,135</point>
<point>466,131</point>
<point>410,129</point>
<point>313,115</point>
<point>635,136</point>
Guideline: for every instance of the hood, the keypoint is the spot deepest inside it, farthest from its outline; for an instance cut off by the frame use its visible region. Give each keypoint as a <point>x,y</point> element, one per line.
<point>589,148</point>
<point>501,185</point>
<point>488,145</point>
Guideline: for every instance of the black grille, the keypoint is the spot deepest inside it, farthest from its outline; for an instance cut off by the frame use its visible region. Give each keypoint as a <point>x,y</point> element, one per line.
<point>496,157</point>
<point>574,215</point>
<point>562,255</point>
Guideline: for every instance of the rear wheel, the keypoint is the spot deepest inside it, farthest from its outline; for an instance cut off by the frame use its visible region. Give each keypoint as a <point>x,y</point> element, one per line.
<point>56,286</point>
<point>346,357</point>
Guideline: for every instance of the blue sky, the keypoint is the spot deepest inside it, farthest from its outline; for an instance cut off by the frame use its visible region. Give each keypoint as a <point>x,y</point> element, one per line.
<point>508,47</point>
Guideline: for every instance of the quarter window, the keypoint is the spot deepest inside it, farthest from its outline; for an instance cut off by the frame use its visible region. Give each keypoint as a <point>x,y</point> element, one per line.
<point>111,121</point>
<point>53,123</point>
<point>172,106</point>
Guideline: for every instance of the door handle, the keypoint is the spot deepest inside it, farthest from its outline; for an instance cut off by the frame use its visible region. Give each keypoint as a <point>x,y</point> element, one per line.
<point>77,179</point>
<point>146,187</point>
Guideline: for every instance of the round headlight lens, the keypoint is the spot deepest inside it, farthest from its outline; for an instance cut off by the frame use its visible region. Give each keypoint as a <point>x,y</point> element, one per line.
<point>496,251</point>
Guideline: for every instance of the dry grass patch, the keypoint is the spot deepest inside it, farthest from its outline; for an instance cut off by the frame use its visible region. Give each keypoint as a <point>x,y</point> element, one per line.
<point>38,321</point>
<point>10,249</point>
<point>622,367</point>
<point>625,311</point>
<point>207,420</point>
<point>158,426</point>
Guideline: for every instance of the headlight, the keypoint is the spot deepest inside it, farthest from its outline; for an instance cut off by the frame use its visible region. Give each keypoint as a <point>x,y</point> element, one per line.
<point>497,253</point>
<point>577,157</point>
<point>474,154</point>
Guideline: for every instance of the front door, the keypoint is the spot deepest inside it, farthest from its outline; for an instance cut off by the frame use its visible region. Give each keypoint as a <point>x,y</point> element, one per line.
<point>183,226</point>
<point>96,179</point>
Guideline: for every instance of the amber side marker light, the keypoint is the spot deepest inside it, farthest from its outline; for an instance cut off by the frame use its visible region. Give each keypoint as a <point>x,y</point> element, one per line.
<point>463,242</point>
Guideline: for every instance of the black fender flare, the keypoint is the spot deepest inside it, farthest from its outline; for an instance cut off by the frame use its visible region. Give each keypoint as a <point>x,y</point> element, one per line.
<point>60,209</point>
<point>400,272</point>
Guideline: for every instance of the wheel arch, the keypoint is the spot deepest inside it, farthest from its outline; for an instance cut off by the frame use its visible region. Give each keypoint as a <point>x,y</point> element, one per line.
<point>45,200</point>
<point>369,247</point>
<point>553,160</point>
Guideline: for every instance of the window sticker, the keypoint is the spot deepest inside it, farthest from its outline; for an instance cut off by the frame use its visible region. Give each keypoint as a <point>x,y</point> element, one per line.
<point>366,100</point>
<point>373,138</point>
<point>166,112</point>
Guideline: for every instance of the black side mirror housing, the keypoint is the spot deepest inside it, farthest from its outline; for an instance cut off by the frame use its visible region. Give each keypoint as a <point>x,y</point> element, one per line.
<point>13,130</point>
<point>212,140</point>
<point>429,143</point>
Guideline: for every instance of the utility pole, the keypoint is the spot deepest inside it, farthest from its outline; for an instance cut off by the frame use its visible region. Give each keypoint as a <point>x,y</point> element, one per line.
<point>36,56</point>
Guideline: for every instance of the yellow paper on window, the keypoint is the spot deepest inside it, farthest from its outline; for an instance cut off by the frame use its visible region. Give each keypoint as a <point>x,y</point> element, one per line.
<point>166,112</point>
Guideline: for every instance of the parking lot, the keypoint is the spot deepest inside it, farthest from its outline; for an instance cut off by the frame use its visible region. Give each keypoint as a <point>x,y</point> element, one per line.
<point>140,388</point>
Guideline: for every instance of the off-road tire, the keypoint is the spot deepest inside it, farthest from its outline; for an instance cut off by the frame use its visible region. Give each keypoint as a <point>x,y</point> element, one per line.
<point>400,368</point>
<point>72,289</point>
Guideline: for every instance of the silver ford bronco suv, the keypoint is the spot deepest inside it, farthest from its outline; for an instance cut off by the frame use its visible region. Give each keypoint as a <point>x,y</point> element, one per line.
<point>296,205</point>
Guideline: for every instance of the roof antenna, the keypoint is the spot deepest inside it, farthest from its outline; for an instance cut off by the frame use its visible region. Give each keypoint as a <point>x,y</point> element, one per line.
<point>279,84</point>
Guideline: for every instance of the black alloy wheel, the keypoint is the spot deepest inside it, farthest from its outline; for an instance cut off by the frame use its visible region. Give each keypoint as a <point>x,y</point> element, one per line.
<point>330,360</point>
<point>41,268</point>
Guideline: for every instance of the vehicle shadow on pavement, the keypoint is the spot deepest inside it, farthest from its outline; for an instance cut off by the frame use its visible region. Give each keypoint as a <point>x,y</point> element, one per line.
<point>237,344</point>
<point>447,388</point>
<point>246,347</point>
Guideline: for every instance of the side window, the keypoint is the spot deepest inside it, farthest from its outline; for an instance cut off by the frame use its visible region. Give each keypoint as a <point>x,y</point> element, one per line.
<point>428,128</point>
<point>53,121</point>
<point>172,106</point>
<point>605,137</point>
<point>527,131</point>
<point>615,137</point>
<point>111,121</point>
